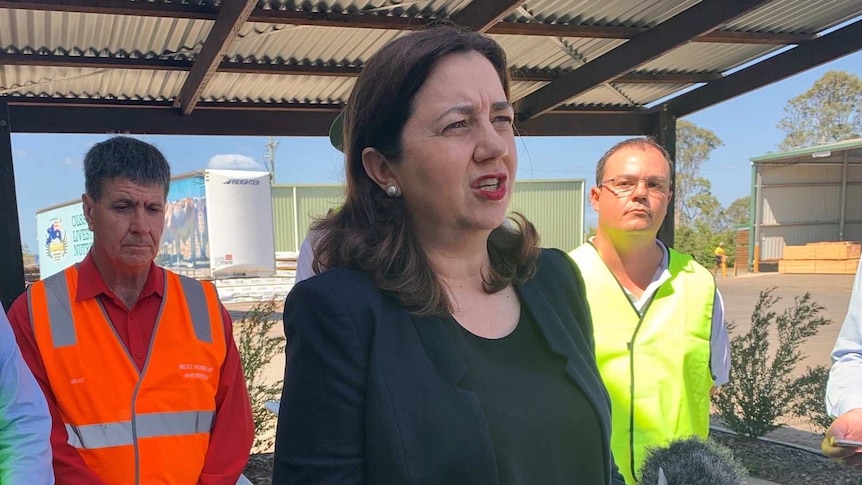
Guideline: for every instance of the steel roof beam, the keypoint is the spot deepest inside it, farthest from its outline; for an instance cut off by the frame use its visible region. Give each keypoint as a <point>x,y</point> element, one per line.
<point>232,15</point>
<point>699,19</point>
<point>480,15</point>
<point>841,42</point>
<point>47,115</point>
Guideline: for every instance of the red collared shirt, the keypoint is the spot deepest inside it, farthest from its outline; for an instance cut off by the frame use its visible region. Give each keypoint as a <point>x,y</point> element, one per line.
<point>233,430</point>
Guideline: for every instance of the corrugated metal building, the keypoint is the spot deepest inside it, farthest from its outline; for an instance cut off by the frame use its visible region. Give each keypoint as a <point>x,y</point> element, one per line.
<point>807,195</point>
<point>556,207</point>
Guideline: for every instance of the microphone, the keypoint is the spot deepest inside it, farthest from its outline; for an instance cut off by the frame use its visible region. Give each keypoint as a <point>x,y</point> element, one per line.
<point>691,461</point>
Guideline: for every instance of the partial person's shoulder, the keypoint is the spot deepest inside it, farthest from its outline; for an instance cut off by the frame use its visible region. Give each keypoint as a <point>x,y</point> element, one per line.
<point>19,312</point>
<point>583,248</point>
<point>555,267</point>
<point>335,301</point>
<point>7,337</point>
<point>585,254</point>
<point>553,259</point>
<point>338,284</point>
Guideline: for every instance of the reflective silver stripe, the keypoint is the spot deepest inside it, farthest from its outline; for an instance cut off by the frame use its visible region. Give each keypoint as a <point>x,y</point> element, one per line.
<point>105,435</point>
<point>60,311</point>
<point>197,304</point>
<point>174,424</point>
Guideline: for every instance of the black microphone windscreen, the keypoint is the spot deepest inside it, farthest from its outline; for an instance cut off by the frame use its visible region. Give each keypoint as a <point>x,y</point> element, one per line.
<point>692,461</point>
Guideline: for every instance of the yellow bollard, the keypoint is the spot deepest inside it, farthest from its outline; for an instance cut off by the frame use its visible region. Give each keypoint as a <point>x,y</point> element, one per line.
<point>756,266</point>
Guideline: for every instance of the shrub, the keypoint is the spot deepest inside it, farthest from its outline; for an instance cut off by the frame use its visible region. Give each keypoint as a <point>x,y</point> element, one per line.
<point>257,347</point>
<point>762,389</point>
<point>812,389</point>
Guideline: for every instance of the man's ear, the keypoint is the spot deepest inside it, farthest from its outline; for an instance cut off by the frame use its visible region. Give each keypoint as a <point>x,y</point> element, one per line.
<point>378,169</point>
<point>595,193</point>
<point>89,205</point>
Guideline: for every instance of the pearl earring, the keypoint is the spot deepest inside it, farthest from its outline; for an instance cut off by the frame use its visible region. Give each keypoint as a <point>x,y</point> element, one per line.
<point>392,190</point>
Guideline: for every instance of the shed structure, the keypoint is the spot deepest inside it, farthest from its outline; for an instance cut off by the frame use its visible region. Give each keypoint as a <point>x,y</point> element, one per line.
<point>803,196</point>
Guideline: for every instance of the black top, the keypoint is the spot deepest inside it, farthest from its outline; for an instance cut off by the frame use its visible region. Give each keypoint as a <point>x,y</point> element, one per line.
<point>543,428</point>
<point>372,393</point>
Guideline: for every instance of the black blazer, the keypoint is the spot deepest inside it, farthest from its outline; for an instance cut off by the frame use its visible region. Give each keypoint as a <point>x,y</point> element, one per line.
<point>371,392</point>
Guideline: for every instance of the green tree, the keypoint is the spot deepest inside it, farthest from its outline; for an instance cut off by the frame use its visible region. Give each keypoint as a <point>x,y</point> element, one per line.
<point>693,147</point>
<point>258,344</point>
<point>709,225</point>
<point>28,256</point>
<point>830,111</point>
<point>738,212</point>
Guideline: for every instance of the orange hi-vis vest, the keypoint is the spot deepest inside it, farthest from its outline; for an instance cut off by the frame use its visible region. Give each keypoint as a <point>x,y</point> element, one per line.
<point>133,427</point>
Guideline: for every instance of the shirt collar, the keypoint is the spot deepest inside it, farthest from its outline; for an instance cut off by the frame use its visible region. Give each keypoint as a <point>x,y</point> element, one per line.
<point>662,274</point>
<point>91,284</point>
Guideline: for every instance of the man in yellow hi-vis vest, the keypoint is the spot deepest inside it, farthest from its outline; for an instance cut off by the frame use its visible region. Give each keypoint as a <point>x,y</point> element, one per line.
<point>661,342</point>
<point>720,260</point>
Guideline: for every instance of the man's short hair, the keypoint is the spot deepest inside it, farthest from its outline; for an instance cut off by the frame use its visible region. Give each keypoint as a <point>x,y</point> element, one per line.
<point>641,142</point>
<point>123,157</point>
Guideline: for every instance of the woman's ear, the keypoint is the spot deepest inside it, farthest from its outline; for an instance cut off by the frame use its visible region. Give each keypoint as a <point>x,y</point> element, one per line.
<point>378,168</point>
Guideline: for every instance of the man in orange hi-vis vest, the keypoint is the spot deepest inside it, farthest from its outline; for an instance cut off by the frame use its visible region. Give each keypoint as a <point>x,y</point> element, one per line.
<point>138,364</point>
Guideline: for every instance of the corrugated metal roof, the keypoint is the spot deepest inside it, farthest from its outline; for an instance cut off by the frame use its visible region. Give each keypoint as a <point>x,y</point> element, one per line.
<point>853,144</point>
<point>405,8</point>
<point>83,32</point>
<point>307,43</point>
<point>600,96</point>
<point>608,12</point>
<point>519,89</point>
<point>531,52</point>
<point>90,83</point>
<point>91,34</point>
<point>796,16</point>
<point>700,56</point>
<point>643,94</point>
<point>274,88</point>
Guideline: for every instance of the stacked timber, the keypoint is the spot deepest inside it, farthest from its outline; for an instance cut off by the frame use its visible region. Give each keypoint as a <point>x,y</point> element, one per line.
<point>840,257</point>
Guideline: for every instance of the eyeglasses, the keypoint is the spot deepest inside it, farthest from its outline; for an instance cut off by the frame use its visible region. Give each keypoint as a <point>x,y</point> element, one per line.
<point>623,185</point>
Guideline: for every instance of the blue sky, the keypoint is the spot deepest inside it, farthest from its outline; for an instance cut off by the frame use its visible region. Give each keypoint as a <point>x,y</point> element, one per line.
<point>48,167</point>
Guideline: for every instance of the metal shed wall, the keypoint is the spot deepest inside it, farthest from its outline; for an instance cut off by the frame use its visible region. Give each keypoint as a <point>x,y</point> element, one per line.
<point>802,198</point>
<point>555,207</point>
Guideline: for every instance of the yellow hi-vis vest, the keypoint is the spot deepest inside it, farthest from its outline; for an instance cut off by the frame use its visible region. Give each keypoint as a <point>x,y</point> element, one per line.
<point>660,362</point>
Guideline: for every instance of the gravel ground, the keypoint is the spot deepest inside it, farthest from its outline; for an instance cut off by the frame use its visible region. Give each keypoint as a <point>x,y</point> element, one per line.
<point>786,465</point>
<point>259,469</point>
<point>769,461</point>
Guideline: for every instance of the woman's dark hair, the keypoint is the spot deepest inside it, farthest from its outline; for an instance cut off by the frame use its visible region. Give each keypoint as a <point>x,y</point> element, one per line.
<point>372,231</point>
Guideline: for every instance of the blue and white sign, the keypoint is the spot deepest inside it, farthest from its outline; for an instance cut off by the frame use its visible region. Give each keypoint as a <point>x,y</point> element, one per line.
<point>63,238</point>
